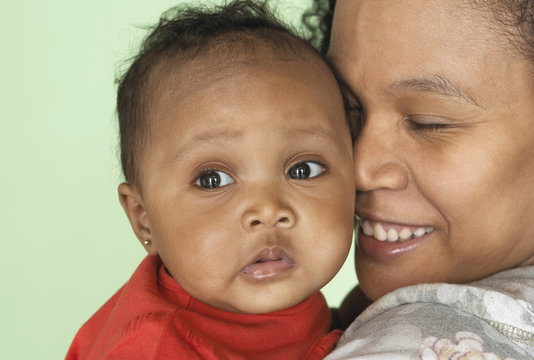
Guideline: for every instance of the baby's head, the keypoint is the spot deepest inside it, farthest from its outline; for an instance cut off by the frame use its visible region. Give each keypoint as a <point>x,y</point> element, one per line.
<point>238,159</point>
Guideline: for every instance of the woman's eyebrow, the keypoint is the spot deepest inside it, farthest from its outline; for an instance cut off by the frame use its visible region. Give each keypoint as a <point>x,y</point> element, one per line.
<point>437,84</point>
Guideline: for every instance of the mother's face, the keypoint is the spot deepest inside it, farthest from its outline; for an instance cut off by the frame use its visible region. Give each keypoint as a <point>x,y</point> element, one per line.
<point>446,147</point>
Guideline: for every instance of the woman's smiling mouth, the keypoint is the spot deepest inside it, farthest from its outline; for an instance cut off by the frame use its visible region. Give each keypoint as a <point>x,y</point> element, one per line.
<point>392,233</point>
<point>385,242</point>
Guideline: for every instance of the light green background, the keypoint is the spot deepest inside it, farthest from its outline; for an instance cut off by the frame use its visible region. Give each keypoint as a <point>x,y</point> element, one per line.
<point>66,244</point>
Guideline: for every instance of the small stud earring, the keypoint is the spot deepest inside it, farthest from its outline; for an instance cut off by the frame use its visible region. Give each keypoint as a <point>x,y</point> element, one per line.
<point>147,242</point>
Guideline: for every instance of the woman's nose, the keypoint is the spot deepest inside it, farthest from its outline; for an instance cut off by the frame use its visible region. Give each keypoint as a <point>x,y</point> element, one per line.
<point>267,209</point>
<point>378,155</point>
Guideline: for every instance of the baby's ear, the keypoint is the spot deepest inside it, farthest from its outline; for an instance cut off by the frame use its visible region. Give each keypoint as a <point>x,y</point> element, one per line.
<point>133,206</point>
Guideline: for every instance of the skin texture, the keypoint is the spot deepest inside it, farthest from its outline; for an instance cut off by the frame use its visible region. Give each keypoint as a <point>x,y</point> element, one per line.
<point>446,140</point>
<point>251,120</point>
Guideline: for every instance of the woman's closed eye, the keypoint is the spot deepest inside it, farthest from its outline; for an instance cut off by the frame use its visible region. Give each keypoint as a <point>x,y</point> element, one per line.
<point>428,124</point>
<point>353,110</point>
<point>305,170</point>
<point>213,179</point>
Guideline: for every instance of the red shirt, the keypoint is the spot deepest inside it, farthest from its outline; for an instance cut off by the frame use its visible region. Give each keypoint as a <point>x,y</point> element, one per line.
<point>151,317</point>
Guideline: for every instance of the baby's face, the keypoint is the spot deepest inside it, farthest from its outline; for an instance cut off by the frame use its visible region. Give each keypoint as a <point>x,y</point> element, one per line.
<point>248,182</point>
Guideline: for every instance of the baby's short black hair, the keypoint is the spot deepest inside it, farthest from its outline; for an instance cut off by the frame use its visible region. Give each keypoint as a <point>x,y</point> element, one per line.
<point>184,33</point>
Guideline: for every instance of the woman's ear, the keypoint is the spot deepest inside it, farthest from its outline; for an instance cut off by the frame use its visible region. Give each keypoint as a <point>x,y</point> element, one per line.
<point>133,206</point>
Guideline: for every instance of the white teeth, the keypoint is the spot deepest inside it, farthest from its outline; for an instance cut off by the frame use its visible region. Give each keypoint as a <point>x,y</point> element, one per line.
<point>392,235</point>
<point>379,232</point>
<point>367,228</point>
<point>405,234</point>
<point>419,232</point>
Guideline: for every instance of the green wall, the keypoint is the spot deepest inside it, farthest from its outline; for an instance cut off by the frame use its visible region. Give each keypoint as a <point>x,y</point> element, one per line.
<point>66,244</point>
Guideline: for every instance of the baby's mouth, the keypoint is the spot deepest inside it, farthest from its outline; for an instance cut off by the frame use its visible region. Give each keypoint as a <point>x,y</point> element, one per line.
<point>269,263</point>
<point>392,232</point>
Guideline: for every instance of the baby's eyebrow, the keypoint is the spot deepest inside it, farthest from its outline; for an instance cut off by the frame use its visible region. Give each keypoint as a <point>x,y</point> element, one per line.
<point>315,132</point>
<point>228,136</point>
<point>210,136</point>
<point>433,83</point>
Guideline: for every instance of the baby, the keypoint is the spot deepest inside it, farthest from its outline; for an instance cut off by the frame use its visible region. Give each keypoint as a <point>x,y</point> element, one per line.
<point>238,160</point>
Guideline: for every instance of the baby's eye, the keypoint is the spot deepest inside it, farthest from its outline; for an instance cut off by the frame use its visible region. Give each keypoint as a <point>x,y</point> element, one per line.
<point>305,170</point>
<point>213,179</point>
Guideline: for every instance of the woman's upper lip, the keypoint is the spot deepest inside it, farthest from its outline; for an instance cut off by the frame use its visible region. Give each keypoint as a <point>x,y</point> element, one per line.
<point>389,220</point>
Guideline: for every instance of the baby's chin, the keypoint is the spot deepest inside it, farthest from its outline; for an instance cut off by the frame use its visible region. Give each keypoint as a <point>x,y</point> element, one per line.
<point>256,305</point>
<point>270,308</point>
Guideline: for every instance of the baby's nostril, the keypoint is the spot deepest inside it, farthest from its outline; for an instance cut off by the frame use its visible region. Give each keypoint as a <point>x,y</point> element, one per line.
<point>284,219</point>
<point>255,222</point>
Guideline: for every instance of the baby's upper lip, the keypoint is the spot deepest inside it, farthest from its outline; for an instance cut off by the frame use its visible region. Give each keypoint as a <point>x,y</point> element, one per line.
<point>269,263</point>
<point>275,253</point>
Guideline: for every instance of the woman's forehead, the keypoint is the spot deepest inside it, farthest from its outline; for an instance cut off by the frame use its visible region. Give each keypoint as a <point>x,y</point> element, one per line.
<point>383,43</point>
<point>412,25</point>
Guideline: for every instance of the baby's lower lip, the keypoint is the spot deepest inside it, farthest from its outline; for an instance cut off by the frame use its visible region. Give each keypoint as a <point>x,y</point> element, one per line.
<point>268,268</point>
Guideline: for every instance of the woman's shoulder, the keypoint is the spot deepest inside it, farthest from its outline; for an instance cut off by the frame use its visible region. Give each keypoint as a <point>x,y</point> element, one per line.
<point>492,316</point>
<point>518,283</point>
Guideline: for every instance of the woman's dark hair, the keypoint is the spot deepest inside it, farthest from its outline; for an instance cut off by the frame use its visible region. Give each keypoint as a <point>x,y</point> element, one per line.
<point>318,22</point>
<point>187,32</point>
<point>516,18</point>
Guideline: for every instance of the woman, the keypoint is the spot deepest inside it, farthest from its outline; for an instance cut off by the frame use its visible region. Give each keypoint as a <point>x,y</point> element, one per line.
<point>443,91</point>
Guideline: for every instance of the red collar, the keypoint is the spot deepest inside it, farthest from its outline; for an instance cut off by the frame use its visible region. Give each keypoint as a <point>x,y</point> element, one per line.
<point>151,317</point>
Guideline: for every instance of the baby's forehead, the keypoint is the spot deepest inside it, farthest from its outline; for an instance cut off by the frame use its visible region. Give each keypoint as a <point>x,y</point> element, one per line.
<point>208,83</point>
<point>182,76</point>
<point>221,55</point>
<point>228,95</point>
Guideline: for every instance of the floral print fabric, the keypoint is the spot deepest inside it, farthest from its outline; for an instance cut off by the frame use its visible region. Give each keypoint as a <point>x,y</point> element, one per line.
<point>467,346</point>
<point>488,319</point>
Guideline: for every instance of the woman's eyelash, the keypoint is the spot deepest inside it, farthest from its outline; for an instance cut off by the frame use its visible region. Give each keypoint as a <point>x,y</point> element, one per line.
<point>354,114</point>
<point>417,126</point>
<point>352,108</point>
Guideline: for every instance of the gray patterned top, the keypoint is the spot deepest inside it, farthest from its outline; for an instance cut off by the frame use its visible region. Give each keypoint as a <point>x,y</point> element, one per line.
<point>488,319</point>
